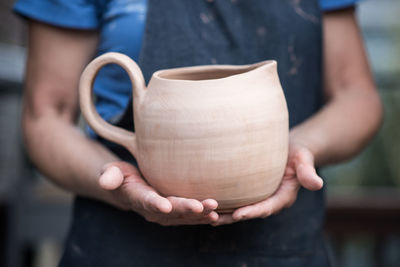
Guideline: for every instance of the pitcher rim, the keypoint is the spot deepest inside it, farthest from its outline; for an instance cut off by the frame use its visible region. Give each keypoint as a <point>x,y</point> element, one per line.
<point>182,70</point>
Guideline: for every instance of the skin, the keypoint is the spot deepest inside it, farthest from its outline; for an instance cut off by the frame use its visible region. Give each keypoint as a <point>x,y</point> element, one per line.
<point>349,119</point>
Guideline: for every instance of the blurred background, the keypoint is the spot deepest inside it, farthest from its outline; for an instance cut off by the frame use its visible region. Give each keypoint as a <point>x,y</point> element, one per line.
<point>363,195</point>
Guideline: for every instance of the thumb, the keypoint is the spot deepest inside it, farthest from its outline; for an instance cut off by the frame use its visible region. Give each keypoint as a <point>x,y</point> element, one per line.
<point>308,177</point>
<point>111,178</point>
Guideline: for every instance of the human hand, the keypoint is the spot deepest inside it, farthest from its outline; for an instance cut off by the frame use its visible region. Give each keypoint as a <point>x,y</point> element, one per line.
<point>130,192</point>
<point>300,171</point>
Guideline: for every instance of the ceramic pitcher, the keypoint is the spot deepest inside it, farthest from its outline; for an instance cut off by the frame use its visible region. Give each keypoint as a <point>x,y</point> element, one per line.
<point>217,131</point>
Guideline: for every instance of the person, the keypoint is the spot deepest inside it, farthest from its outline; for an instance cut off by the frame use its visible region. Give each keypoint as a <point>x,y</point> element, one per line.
<point>118,219</point>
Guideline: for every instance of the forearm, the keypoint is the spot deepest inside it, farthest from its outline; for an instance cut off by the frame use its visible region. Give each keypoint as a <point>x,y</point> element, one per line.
<point>342,127</point>
<point>68,158</point>
<point>56,58</point>
<point>352,113</point>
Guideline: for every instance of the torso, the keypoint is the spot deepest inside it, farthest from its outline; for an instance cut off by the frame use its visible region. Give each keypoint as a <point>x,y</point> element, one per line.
<point>223,32</point>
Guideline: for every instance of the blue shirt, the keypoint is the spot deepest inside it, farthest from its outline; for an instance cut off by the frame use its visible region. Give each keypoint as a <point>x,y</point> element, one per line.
<point>121,24</point>
<point>330,5</point>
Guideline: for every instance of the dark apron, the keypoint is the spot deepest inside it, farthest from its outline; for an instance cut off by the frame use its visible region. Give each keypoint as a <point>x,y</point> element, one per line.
<point>184,33</point>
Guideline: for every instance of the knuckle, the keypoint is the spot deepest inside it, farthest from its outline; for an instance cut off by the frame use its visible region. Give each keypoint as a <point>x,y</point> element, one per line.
<point>150,218</point>
<point>244,217</point>
<point>164,223</point>
<point>147,199</point>
<point>140,205</point>
<point>290,201</point>
<point>208,220</point>
<point>147,207</point>
<point>148,203</point>
<point>267,212</point>
<point>157,219</point>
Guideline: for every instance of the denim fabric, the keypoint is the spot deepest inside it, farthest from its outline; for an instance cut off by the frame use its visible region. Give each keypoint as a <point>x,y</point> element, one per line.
<point>183,33</point>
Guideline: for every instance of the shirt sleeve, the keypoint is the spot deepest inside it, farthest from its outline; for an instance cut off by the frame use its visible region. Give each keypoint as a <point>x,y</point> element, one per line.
<point>78,14</point>
<point>329,5</point>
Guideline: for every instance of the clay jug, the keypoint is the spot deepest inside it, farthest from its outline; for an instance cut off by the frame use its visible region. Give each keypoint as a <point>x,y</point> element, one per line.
<point>201,132</point>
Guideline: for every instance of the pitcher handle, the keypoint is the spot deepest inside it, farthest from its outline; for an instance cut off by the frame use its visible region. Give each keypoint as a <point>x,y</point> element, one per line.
<point>104,129</point>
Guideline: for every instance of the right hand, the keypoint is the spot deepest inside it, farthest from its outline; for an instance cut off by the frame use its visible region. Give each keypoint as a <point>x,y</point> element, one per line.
<point>130,191</point>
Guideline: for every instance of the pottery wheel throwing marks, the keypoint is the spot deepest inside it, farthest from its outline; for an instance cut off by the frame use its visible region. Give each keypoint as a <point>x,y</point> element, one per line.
<point>202,132</point>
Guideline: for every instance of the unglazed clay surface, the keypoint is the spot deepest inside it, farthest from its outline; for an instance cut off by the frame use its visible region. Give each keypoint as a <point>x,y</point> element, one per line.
<point>202,132</point>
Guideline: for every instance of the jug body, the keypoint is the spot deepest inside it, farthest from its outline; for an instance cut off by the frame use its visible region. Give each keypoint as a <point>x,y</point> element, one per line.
<point>216,132</point>
<point>203,132</point>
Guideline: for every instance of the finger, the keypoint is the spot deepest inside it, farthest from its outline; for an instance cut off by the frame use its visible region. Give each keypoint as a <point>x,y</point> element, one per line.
<point>111,178</point>
<point>262,209</point>
<point>308,177</point>
<point>184,205</point>
<point>223,219</point>
<point>213,217</point>
<point>189,220</point>
<point>154,202</point>
<point>209,206</point>
<point>283,198</point>
<point>208,219</point>
<point>304,156</point>
<point>145,197</point>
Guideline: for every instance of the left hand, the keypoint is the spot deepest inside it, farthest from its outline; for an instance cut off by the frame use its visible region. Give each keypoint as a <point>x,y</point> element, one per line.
<point>300,171</point>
